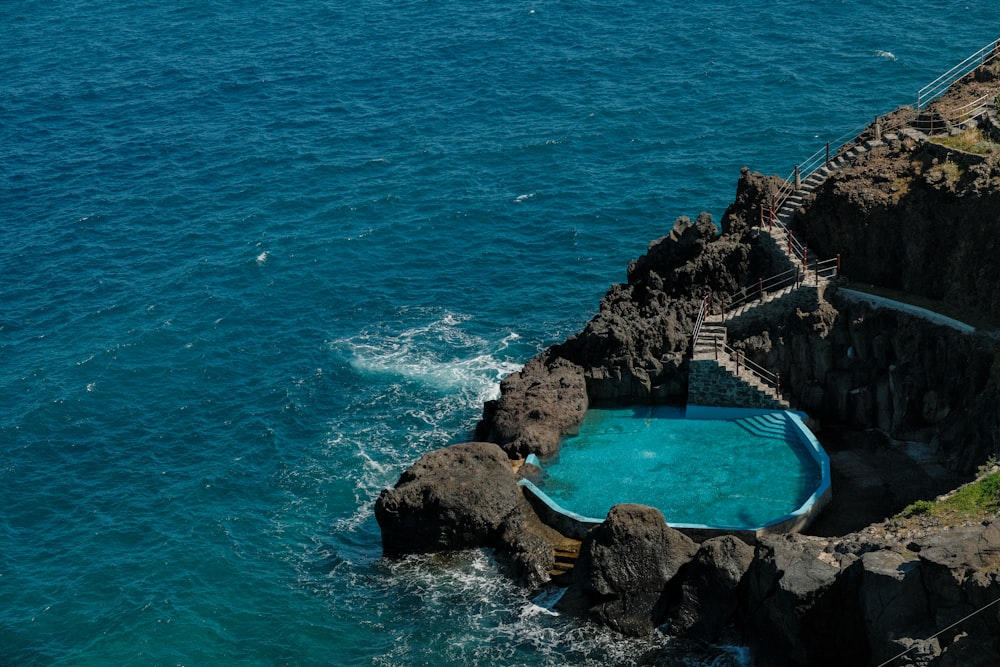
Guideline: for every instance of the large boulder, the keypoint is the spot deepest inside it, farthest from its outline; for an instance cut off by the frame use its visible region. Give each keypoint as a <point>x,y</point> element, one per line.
<point>452,498</point>
<point>801,604</point>
<point>960,571</point>
<point>529,557</point>
<point>625,566</point>
<point>709,589</point>
<point>537,405</point>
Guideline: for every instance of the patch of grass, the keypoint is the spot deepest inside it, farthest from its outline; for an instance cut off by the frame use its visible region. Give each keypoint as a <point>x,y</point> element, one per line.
<point>970,141</point>
<point>973,502</point>
<point>899,188</point>
<point>919,508</point>
<point>951,172</point>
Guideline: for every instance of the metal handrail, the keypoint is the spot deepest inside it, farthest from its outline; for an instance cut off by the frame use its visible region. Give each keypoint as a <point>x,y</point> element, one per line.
<point>766,377</point>
<point>926,94</point>
<point>828,268</point>
<point>938,86</point>
<point>974,109</point>
<point>706,305</point>
<point>768,285</point>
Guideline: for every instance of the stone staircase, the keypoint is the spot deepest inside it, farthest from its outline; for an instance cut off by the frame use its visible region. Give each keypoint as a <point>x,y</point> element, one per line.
<point>751,386</point>
<point>785,213</point>
<point>718,375</point>
<point>566,554</point>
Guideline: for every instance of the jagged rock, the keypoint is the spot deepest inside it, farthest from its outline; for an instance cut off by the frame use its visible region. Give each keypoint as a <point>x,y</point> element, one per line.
<point>888,213</point>
<point>753,191</point>
<point>709,589</point>
<point>801,604</point>
<point>528,556</point>
<point>537,405</point>
<point>625,564</point>
<point>452,498</point>
<point>893,601</point>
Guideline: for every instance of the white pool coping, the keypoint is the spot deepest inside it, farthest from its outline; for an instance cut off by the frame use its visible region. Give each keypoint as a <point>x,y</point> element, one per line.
<point>792,522</point>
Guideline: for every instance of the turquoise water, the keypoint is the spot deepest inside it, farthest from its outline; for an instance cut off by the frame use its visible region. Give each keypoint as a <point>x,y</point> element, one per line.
<point>256,259</point>
<point>716,472</point>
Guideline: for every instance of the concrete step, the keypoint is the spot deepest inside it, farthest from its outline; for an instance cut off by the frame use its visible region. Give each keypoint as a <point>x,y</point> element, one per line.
<point>565,561</point>
<point>769,426</point>
<point>752,379</point>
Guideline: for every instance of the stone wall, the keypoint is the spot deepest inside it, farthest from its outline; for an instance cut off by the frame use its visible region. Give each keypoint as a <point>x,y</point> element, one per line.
<point>762,316</point>
<point>714,386</point>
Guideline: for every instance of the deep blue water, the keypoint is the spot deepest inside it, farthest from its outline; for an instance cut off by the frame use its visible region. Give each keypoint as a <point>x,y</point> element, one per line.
<point>256,259</point>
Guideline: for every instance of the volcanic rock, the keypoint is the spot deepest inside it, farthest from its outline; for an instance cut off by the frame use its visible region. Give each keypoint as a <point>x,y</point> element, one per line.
<point>452,498</point>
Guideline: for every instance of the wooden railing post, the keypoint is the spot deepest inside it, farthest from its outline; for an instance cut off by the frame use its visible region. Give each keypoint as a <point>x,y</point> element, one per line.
<point>828,155</point>
<point>777,384</point>
<point>798,178</point>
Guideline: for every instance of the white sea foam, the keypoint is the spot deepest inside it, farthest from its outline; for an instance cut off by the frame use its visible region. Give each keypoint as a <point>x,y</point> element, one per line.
<point>885,54</point>
<point>525,197</point>
<point>439,354</point>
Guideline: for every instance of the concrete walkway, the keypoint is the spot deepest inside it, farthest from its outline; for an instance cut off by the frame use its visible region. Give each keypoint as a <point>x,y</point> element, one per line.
<point>930,315</point>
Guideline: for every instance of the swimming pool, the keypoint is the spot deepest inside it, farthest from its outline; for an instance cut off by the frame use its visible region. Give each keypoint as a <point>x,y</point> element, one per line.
<point>727,469</point>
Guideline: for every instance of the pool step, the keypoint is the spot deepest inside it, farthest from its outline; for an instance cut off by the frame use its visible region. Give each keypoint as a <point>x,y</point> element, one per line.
<point>566,555</point>
<point>773,425</point>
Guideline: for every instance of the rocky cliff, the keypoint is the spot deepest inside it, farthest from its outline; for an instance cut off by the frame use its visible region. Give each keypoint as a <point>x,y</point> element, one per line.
<point>909,403</point>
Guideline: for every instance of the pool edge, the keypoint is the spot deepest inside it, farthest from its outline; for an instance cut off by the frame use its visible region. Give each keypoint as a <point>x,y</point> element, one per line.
<point>577,526</point>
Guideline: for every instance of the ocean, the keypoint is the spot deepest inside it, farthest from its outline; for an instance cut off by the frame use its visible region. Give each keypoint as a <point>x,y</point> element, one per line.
<point>257,258</point>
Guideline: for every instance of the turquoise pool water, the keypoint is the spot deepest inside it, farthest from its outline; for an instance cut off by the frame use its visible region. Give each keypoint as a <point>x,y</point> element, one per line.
<point>727,473</point>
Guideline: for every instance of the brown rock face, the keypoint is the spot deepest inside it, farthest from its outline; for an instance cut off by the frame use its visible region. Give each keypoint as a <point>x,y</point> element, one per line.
<point>867,597</point>
<point>536,406</point>
<point>452,498</point>
<point>917,218</point>
<point>800,609</point>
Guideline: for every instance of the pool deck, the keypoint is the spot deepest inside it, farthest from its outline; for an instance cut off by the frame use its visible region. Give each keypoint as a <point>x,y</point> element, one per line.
<point>577,526</point>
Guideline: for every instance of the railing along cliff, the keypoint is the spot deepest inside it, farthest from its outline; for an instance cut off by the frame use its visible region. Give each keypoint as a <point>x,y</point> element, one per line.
<point>775,216</point>
<point>718,346</point>
<point>791,279</point>
<point>703,312</point>
<point>764,376</point>
<point>940,85</point>
<point>822,157</point>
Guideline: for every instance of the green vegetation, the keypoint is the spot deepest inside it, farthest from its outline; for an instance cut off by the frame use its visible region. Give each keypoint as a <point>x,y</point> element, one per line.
<point>973,502</point>
<point>900,188</point>
<point>950,172</point>
<point>970,141</point>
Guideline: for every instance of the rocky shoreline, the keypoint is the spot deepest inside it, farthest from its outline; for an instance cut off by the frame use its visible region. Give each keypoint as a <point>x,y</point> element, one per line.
<point>907,407</point>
